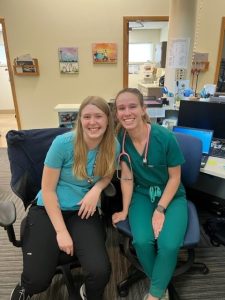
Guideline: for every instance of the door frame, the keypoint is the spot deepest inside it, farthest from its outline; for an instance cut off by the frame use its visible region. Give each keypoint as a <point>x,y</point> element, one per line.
<point>11,78</point>
<point>126,21</point>
<point>220,50</point>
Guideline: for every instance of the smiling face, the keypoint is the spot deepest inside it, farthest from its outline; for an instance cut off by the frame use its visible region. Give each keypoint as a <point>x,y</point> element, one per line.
<point>94,123</point>
<point>129,111</point>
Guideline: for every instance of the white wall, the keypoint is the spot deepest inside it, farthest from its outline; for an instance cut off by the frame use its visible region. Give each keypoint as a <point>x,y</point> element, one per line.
<point>6,100</point>
<point>41,27</point>
<point>144,36</point>
<point>164,34</point>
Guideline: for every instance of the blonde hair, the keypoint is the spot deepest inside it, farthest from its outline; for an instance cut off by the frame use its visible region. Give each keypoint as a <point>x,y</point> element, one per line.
<point>105,161</point>
<point>140,97</point>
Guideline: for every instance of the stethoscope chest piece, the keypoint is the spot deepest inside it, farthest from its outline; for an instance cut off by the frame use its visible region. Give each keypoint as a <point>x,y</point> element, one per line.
<point>145,161</point>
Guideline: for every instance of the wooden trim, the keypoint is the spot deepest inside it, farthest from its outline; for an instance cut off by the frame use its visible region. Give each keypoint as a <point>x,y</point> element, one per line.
<point>126,21</point>
<point>11,78</point>
<point>220,50</point>
<point>7,111</point>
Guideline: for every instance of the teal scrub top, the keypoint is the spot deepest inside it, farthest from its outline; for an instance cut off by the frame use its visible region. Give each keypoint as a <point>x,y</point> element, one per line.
<point>163,152</point>
<point>70,190</point>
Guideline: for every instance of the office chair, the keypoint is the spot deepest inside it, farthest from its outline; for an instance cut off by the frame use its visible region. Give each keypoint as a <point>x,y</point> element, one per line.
<point>26,151</point>
<point>191,148</point>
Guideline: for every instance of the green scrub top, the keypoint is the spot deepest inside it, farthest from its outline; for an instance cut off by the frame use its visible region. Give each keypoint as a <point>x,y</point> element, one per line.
<point>164,152</point>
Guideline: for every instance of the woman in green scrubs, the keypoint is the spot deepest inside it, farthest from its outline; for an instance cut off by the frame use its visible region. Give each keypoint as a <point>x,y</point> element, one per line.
<point>153,196</point>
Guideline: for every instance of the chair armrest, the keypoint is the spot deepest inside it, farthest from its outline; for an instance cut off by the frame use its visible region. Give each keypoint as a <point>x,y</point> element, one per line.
<point>7,213</point>
<point>7,218</point>
<point>124,228</point>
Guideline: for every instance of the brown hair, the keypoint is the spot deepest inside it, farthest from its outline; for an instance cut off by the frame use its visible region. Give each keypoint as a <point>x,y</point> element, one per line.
<point>140,97</point>
<point>105,162</point>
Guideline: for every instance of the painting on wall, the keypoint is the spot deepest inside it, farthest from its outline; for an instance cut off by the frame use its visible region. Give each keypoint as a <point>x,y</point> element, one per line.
<point>104,53</point>
<point>68,60</point>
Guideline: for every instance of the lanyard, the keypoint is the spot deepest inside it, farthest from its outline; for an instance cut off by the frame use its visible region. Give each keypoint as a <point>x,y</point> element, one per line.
<point>90,179</point>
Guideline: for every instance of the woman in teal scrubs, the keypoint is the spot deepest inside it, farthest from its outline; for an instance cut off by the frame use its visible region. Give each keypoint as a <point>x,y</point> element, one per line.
<point>153,196</point>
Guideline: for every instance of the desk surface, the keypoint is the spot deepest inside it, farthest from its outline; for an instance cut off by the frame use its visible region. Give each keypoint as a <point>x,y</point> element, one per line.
<point>215,166</point>
<point>67,107</point>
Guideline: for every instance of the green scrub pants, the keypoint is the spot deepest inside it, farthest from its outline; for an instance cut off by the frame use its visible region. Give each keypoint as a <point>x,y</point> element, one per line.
<point>158,261</point>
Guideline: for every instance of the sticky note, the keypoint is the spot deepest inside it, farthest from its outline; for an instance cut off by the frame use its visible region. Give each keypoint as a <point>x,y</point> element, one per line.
<point>212,162</point>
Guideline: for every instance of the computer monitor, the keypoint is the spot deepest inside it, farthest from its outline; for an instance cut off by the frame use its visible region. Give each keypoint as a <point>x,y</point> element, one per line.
<point>204,115</point>
<point>204,135</point>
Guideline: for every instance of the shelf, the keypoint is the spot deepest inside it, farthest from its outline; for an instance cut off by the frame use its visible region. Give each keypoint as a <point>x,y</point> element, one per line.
<point>200,66</point>
<point>23,69</point>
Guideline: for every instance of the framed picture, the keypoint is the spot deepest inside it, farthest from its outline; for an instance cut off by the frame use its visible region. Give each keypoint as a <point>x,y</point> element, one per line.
<point>68,60</point>
<point>104,53</point>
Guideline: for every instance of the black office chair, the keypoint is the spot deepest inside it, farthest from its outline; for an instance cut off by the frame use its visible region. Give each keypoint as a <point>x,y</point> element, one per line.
<point>192,151</point>
<point>26,151</point>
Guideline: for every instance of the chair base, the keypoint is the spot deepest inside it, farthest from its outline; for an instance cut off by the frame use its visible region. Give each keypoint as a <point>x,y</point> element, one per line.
<point>134,276</point>
<point>68,278</point>
<point>190,263</point>
<point>173,295</point>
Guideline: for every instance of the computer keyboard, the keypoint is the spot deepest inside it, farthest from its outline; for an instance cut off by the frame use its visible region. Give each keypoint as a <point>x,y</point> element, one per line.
<point>204,161</point>
<point>218,148</point>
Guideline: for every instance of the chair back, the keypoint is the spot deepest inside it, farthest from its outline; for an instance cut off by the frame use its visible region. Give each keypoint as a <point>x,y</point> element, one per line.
<point>26,151</point>
<point>191,148</point>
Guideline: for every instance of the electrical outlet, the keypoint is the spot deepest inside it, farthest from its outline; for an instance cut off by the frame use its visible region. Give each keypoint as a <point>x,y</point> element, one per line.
<point>180,74</point>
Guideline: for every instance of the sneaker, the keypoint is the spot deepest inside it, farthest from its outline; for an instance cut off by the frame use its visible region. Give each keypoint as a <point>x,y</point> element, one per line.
<point>166,295</point>
<point>83,292</point>
<point>19,293</point>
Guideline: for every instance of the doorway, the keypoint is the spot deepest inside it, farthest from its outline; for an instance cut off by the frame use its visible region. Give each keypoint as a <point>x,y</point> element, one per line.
<point>137,24</point>
<point>9,114</point>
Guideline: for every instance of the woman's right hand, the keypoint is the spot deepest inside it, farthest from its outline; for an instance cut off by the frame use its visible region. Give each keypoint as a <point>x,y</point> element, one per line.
<point>65,242</point>
<point>119,216</point>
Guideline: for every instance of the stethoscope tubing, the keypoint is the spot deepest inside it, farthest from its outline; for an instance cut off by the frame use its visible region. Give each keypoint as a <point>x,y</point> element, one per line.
<point>123,152</point>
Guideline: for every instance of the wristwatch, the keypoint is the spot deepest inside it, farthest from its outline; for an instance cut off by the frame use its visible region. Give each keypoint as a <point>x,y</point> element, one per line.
<point>160,209</point>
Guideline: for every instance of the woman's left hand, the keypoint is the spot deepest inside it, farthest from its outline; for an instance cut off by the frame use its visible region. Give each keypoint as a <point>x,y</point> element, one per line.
<point>88,203</point>
<point>157,222</point>
<point>118,216</point>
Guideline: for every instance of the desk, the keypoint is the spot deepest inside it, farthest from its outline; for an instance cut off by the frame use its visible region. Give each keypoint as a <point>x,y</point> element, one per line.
<point>215,166</point>
<point>211,178</point>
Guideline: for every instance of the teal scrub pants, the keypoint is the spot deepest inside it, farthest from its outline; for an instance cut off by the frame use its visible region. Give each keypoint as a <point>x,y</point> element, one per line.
<point>157,257</point>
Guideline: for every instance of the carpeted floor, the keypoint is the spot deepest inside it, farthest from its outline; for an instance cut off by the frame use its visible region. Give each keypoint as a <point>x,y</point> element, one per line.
<point>190,286</point>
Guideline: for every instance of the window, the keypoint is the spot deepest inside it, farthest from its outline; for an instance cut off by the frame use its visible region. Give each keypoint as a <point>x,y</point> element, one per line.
<point>140,52</point>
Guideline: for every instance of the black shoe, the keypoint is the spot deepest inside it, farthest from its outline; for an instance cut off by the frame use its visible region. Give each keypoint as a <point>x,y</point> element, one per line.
<point>19,293</point>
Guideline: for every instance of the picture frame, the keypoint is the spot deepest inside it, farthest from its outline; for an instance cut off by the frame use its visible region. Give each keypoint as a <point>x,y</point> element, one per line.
<point>104,53</point>
<point>68,60</point>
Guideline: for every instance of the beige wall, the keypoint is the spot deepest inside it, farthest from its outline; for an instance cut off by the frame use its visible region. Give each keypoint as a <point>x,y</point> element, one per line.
<point>41,27</point>
<point>209,19</point>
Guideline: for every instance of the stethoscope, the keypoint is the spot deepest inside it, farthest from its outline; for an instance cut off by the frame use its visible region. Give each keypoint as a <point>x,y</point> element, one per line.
<point>145,160</point>
<point>124,153</point>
